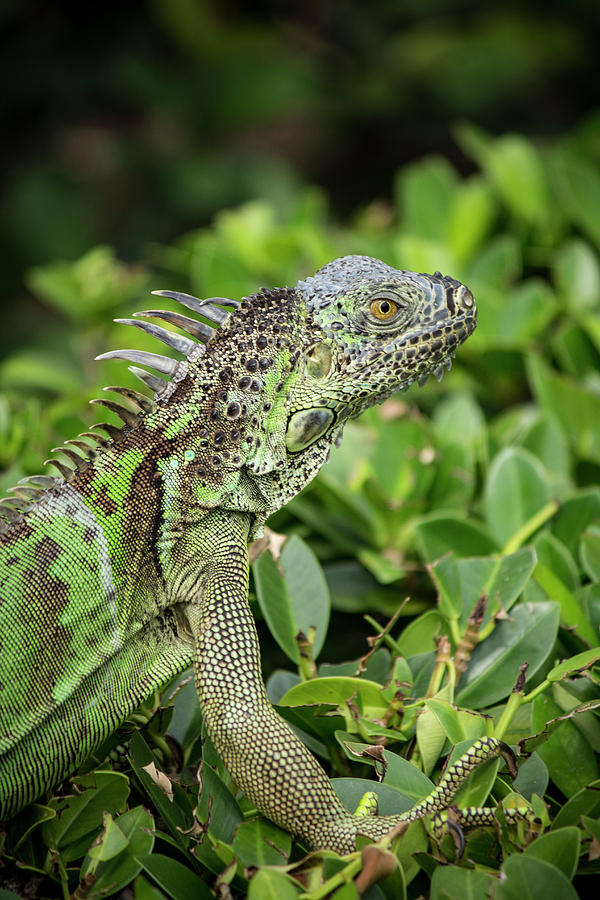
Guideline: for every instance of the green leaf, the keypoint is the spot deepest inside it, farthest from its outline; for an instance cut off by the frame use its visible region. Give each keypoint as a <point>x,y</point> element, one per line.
<point>546,439</point>
<point>575,515</point>
<point>527,878</point>
<point>590,551</point>
<point>577,274</point>
<point>419,636</point>
<point>471,215</point>
<point>578,185</point>
<point>461,884</point>
<point>584,802</point>
<point>217,806</point>
<point>22,825</point>
<point>438,533</point>
<point>576,406</point>
<point>177,813</point>
<point>424,191</point>
<point>574,665</point>
<point>391,801</point>
<point>527,636</point>
<point>516,488</point>
<point>572,613</point>
<point>516,171</point>
<point>458,724</point>
<point>114,873</point>
<point>532,777</point>
<point>570,759</point>
<point>175,879</point>
<point>498,264</point>
<point>405,776</point>
<point>146,891</point>
<point>260,843</point>
<point>338,692</point>
<point>514,319</point>
<point>552,553</point>
<point>505,582</point>
<point>269,884</point>
<point>80,815</point>
<point>431,734</point>
<point>293,596</point>
<point>446,575</point>
<point>559,847</point>
<point>111,842</point>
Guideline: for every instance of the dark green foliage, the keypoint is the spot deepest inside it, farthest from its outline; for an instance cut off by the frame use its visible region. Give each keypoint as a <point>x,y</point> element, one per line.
<point>490,486</point>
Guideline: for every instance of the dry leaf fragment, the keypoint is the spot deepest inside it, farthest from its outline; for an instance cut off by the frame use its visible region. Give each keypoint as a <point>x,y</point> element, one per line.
<point>160,779</point>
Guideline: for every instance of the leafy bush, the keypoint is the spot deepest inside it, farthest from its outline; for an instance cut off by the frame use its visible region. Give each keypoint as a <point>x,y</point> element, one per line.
<point>490,487</point>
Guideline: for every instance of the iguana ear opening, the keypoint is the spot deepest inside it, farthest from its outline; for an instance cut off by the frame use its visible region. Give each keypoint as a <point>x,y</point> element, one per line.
<point>306,426</point>
<point>318,360</point>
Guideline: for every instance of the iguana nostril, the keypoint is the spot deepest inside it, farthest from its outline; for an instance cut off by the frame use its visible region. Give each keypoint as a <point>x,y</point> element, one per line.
<point>465,298</point>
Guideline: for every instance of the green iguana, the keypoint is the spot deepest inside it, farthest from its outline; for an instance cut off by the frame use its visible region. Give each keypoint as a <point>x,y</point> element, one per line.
<point>134,563</point>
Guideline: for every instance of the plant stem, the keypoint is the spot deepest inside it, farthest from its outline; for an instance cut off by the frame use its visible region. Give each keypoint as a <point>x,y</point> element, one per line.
<point>530,527</point>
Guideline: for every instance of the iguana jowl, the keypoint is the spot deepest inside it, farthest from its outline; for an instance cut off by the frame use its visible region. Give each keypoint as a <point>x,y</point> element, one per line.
<point>116,576</point>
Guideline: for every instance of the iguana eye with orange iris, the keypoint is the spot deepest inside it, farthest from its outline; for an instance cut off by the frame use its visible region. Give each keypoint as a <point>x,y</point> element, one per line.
<point>383,308</point>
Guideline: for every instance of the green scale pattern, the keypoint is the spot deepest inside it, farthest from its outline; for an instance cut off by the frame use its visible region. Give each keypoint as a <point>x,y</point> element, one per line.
<point>125,570</point>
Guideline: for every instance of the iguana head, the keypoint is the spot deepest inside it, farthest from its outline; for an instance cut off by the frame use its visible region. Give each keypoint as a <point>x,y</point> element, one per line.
<point>378,330</point>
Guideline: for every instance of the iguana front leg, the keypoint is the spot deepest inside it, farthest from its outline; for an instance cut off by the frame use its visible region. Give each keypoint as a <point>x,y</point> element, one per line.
<point>269,763</point>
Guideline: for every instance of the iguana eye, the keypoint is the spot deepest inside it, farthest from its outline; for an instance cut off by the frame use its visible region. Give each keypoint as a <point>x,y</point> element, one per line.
<point>384,308</point>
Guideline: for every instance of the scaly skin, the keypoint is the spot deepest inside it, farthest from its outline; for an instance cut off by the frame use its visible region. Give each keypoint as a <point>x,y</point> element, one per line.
<point>118,574</point>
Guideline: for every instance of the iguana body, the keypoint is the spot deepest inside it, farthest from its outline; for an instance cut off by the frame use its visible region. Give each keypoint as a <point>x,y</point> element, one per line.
<point>121,573</point>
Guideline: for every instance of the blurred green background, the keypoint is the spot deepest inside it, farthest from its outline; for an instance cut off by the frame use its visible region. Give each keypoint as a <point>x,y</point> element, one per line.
<point>215,148</point>
<point>130,123</point>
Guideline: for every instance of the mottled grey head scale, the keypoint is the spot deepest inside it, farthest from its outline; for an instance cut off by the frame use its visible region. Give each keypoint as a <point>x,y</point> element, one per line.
<point>385,328</point>
<point>341,275</point>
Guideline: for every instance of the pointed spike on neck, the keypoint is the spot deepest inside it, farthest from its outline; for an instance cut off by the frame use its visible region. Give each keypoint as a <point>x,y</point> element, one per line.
<point>78,461</point>
<point>130,418</point>
<point>64,470</point>
<point>113,431</point>
<point>98,439</point>
<point>8,512</point>
<point>140,401</point>
<point>152,381</point>
<point>26,490</point>
<point>163,364</point>
<point>44,481</point>
<point>176,341</point>
<point>192,326</point>
<point>206,307</point>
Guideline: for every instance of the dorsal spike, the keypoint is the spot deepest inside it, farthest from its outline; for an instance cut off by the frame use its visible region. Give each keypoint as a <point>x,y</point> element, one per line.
<point>83,446</point>
<point>163,364</point>
<point>64,470</point>
<point>155,384</point>
<point>113,431</point>
<point>142,402</point>
<point>26,491</point>
<point>130,418</point>
<point>76,458</point>
<point>8,512</point>
<point>206,307</point>
<point>197,329</point>
<point>22,504</point>
<point>42,481</point>
<point>99,439</point>
<point>177,341</point>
